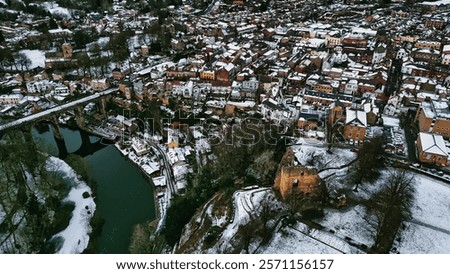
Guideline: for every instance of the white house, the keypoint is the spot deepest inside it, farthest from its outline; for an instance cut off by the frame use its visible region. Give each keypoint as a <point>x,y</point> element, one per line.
<point>401,53</point>
<point>60,91</point>
<point>379,53</point>
<point>446,59</point>
<point>351,87</point>
<point>42,86</point>
<point>11,99</point>
<point>251,84</point>
<point>275,112</point>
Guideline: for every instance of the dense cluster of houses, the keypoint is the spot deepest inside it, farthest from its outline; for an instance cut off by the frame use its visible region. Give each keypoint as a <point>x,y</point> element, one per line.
<point>340,67</point>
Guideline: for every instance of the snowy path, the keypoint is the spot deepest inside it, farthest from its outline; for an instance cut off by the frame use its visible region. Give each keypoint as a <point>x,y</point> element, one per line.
<point>430,226</point>
<point>244,209</point>
<point>314,237</point>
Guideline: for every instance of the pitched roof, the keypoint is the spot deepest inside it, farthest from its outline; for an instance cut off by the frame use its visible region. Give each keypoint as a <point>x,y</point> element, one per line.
<point>356,117</point>
<point>432,143</point>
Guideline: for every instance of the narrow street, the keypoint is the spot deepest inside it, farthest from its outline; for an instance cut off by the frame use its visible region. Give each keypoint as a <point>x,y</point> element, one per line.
<point>167,167</point>
<point>410,138</point>
<point>170,181</point>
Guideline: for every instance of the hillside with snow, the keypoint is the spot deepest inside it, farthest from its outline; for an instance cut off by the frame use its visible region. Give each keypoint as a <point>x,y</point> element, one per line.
<point>75,237</point>
<point>340,230</point>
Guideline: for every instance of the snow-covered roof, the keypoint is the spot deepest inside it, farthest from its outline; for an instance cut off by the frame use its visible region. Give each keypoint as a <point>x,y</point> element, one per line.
<point>446,48</point>
<point>159,181</point>
<point>437,3</point>
<point>432,143</point>
<point>356,117</point>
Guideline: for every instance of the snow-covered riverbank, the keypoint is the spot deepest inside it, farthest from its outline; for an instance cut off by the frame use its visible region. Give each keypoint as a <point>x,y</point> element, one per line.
<point>75,237</point>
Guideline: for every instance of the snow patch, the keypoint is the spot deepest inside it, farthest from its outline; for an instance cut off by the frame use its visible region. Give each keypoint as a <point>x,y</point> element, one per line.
<point>349,223</point>
<point>291,241</point>
<point>437,3</point>
<point>55,9</point>
<point>76,235</point>
<point>339,157</point>
<point>245,204</point>
<point>431,202</point>
<point>416,239</point>
<point>429,230</point>
<point>37,57</point>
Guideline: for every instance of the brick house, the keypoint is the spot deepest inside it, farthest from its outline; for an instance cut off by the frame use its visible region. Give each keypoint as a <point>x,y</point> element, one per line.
<point>431,149</point>
<point>355,125</point>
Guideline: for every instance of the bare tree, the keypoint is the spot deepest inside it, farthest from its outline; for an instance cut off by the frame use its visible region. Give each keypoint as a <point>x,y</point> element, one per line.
<point>390,207</point>
<point>369,160</point>
<point>295,200</point>
<point>248,233</point>
<point>24,61</point>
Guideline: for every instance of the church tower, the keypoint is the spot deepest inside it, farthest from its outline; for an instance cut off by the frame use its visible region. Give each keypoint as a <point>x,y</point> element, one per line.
<point>67,50</point>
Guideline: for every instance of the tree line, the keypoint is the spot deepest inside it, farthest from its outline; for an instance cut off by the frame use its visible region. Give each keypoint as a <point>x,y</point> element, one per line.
<point>30,197</point>
<point>234,162</point>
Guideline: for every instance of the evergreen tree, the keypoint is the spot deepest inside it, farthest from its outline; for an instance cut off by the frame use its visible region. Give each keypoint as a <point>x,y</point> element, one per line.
<point>2,38</point>
<point>53,24</point>
<point>81,38</point>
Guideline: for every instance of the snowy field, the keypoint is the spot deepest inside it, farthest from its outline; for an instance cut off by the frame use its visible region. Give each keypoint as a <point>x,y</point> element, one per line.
<point>37,58</point>
<point>429,229</point>
<point>416,239</point>
<point>302,239</point>
<point>427,233</point>
<point>348,222</point>
<point>291,241</point>
<point>75,237</point>
<point>432,202</point>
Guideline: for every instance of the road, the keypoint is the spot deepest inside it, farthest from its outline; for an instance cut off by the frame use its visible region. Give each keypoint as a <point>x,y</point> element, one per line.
<point>57,109</point>
<point>171,188</point>
<point>169,172</point>
<point>410,142</point>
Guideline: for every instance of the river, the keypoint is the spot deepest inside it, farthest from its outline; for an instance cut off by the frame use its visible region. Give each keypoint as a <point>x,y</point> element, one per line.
<point>124,196</point>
